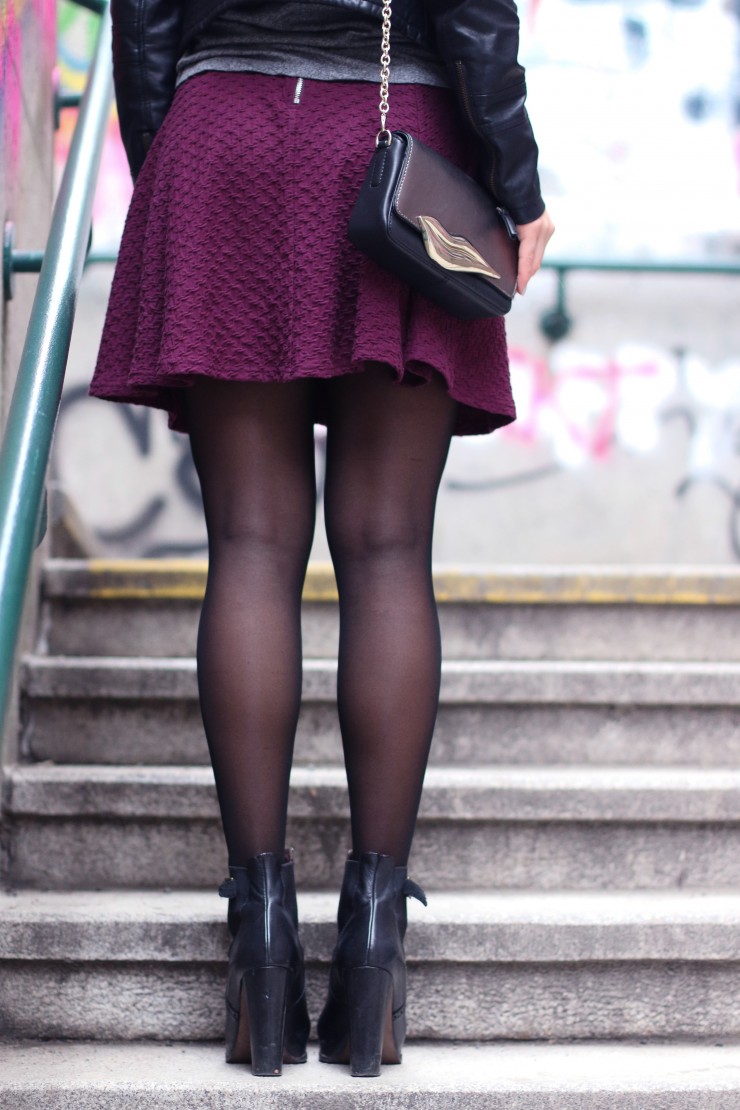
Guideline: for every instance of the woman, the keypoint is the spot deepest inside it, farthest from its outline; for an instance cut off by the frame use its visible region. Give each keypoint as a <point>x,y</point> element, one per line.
<point>239,306</point>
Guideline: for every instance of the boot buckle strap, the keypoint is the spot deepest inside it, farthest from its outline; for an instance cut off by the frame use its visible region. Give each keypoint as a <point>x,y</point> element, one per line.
<point>228,888</point>
<point>413,890</point>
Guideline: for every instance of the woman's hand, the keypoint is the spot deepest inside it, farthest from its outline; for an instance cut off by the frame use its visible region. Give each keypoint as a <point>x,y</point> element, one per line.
<point>533,238</point>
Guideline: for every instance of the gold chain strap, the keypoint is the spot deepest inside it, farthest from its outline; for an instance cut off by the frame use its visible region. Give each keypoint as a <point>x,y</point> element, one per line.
<point>384,136</point>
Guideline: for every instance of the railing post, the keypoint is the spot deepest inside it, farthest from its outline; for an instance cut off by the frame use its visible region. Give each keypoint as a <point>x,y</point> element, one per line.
<point>556,323</point>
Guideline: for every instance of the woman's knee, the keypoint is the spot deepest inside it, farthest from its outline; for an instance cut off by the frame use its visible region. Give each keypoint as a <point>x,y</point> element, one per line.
<point>367,537</point>
<point>267,535</point>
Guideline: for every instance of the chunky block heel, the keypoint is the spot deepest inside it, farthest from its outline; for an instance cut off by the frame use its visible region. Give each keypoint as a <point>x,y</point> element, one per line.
<point>370,997</point>
<point>267,990</point>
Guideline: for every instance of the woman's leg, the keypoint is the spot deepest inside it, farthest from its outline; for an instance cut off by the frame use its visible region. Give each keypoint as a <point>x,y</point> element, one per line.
<point>253,450</point>
<point>386,449</point>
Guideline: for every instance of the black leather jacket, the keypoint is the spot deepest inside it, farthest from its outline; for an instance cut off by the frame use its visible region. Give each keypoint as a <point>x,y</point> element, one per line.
<point>477,39</point>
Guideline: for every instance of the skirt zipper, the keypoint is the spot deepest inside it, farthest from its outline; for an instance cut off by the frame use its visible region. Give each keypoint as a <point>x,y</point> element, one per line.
<point>298,91</point>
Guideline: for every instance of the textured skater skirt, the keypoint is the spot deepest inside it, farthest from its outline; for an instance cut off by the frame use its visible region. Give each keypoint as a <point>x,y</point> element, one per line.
<point>235,263</point>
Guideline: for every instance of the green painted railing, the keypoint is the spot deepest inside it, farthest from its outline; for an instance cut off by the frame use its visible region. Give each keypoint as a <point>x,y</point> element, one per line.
<point>24,457</point>
<point>557,322</point>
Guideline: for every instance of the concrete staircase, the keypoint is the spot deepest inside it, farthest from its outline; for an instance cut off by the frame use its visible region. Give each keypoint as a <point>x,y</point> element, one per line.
<point>579,840</point>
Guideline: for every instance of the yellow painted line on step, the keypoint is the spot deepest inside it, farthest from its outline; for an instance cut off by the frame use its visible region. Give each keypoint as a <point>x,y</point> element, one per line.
<point>320,584</point>
<point>589,588</point>
<point>506,592</point>
<point>178,579</point>
<point>130,579</point>
<point>184,579</point>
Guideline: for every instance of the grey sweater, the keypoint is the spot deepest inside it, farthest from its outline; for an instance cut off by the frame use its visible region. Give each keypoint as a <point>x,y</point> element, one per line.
<point>294,39</point>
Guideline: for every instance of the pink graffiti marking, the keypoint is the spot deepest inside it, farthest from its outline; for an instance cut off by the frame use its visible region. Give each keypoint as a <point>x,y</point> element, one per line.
<point>542,400</point>
<point>18,18</point>
<point>10,65</point>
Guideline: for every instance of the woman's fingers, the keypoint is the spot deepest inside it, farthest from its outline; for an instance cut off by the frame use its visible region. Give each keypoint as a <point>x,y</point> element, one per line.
<point>533,238</point>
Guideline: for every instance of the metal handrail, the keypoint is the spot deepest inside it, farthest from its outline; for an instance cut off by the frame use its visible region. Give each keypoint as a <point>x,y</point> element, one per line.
<point>703,267</point>
<point>24,456</point>
<point>644,265</point>
<point>557,322</point>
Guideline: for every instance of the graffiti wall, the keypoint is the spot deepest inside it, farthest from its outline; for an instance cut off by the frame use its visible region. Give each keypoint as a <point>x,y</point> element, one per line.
<point>627,443</point>
<point>629,451</point>
<point>624,450</point>
<point>78,30</point>
<point>27,58</point>
<point>27,29</point>
<point>637,109</point>
<point>27,37</point>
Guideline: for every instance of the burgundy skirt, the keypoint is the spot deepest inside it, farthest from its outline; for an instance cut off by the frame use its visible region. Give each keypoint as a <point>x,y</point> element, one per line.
<point>235,263</point>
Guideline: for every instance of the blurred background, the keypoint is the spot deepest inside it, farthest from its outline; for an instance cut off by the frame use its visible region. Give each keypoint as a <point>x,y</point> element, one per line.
<point>625,352</point>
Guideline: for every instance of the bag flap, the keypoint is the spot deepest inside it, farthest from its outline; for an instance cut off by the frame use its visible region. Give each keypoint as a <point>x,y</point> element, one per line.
<point>459,216</point>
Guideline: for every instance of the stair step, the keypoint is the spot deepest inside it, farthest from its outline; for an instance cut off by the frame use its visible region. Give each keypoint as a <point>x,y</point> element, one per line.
<point>466,681</point>
<point>457,927</point>
<point>150,607</point>
<point>609,1076</point>
<point>111,710</point>
<point>577,827</point>
<point>579,837</point>
<point>625,794</point>
<point>598,583</point>
<point>481,966</point>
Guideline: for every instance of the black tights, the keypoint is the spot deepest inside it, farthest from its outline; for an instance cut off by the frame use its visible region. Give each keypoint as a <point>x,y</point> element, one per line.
<point>253,449</point>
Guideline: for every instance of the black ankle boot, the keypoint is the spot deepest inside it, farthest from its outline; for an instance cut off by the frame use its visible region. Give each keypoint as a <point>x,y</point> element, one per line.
<point>267,1019</point>
<point>364,1019</point>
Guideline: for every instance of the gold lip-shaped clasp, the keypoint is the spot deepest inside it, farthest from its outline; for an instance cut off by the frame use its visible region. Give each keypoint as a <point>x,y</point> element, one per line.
<point>453,252</point>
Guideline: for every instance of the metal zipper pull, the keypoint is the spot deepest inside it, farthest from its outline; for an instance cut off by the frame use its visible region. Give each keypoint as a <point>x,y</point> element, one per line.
<point>298,91</point>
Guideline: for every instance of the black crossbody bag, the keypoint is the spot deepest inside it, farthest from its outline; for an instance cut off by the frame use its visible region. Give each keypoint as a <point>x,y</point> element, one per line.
<point>431,224</point>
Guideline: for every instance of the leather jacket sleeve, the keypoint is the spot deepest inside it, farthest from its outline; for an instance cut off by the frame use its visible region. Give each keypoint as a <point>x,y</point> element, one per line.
<point>145,38</point>
<point>479,42</point>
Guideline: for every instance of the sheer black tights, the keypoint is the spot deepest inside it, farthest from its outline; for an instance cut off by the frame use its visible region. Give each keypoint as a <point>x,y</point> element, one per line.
<point>253,449</point>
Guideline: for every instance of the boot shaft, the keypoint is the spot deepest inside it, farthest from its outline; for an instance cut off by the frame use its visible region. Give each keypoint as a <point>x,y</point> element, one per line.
<point>263,914</point>
<point>372,911</point>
